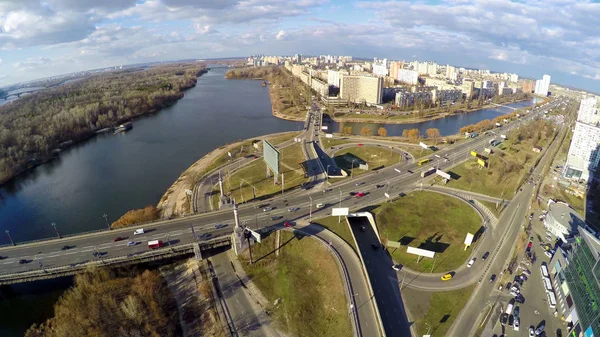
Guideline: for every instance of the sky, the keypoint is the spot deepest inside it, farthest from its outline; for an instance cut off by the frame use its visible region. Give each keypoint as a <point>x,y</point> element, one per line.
<point>530,38</point>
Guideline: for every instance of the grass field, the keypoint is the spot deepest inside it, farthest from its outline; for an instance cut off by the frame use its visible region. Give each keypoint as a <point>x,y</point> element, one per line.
<point>430,221</point>
<point>373,156</point>
<point>254,174</point>
<point>438,309</point>
<point>339,228</point>
<point>306,281</point>
<point>329,142</point>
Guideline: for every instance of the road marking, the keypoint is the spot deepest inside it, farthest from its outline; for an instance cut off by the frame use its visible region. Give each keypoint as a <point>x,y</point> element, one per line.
<point>8,262</point>
<point>88,250</point>
<point>53,255</point>
<point>70,253</point>
<point>88,247</point>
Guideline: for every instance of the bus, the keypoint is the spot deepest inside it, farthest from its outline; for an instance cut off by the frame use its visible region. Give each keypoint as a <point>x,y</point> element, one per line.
<point>547,284</point>
<point>544,270</point>
<point>155,244</point>
<point>424,161</point>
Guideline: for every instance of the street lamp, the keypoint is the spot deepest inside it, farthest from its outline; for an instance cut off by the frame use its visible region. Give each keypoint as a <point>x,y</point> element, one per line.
<point>56,230</point>
<point>10,238</point>
<point>242,194</point>
<point>352,169</point>
<point>106,219</point>
<point>328,170</point>
<point>310,210</point>
<point>428,328</point>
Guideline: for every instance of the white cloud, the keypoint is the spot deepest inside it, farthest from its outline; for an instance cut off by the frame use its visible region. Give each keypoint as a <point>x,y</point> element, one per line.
<point>280,35</point>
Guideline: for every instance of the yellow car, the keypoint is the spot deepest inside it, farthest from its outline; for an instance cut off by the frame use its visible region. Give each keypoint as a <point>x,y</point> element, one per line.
<point>446,277</point>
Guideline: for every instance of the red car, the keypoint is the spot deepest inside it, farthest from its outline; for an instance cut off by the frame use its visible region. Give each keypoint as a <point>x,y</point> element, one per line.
<point>118,238</point>
<point>287,224</point>
<point>360,194</point>
<point>360,144</point>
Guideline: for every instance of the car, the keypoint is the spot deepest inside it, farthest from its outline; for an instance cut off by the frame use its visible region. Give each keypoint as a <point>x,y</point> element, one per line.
<point>558,333</point>
<point>23,261</point>
<point>517,323</point>
<point>320,206</point>
<point>204,236</point>
<point>511,320</point>
<point>132,243</point>
<point>359,144</point>
<point>2,257</point>
<point>526,272</point>
<point>118,238</point>
<point>262,205</point>
<point>138,231</point>
<point>485,256</point>
<point>293,209</point>
<point>523,277</point>
<point>446,277</point>
<point>516,311</point>
<point>352,193</point>
<point>492,278</point>
<point>470,263</point>
<point>548,253</point>
<point>65,247</point>
<point>287,224</point>
<point>375,246</point>
<point>503,318</point>
<point>358,183</point>
<point>379,186</point>
<point>327,190</point>
<point>540,329</point>
<point>267,209</point>
<point>397,267</point>
<point>96,254</point>
<point>531,331</point>
<point>360,194</point>
<point>221,225</point>
<point>520,299</point>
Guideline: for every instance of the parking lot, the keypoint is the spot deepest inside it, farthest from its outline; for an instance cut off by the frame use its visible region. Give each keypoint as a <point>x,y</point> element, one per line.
<point>535,308</point>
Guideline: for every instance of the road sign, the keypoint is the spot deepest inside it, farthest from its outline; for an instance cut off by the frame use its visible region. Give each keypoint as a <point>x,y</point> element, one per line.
<point>420,252</point>
<point>271,156</point>
<point>340,211</point>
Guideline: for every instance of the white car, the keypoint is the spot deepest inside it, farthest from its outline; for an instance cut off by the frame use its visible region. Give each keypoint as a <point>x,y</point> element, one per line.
<point>397,267</point>
<point>470,263</point>
<point>517,323</point>
<point>132,243</point>
<point>320,205</point>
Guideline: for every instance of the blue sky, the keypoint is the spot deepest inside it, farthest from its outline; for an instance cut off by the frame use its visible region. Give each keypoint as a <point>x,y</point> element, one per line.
<point>50,37</point>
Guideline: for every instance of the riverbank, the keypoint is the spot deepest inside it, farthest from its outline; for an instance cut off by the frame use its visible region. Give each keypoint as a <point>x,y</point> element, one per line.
<point>412,120</point>
<point>175,201</point>
<point>132,94</point>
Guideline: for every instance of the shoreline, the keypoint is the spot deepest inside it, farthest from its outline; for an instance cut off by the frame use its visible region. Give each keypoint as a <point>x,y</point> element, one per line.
<point>412,120</point>
<point>93,133</point>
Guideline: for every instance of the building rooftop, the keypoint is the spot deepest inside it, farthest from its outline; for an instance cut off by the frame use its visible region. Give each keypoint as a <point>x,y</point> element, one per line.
<point>592,242</point>
<point>565,215</point>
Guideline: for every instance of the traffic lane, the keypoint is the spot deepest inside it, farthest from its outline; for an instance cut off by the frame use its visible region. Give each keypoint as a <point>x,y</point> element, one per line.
<point>383,279</point>
<point>360,291</point>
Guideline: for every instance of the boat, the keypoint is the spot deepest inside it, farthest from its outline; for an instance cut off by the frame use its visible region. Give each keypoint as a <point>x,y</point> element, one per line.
<point>123,127</point>
<point>264,83</point>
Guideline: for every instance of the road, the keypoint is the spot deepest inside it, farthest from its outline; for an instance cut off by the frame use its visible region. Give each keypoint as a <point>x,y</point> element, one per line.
<point>514,217</point>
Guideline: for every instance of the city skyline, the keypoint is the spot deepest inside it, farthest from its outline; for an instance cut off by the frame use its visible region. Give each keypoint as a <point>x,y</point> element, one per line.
<point>40,39</point>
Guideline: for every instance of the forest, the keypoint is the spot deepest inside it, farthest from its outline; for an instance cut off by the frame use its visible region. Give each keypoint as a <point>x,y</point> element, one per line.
<point>33,127</point>
<point>103,303</point>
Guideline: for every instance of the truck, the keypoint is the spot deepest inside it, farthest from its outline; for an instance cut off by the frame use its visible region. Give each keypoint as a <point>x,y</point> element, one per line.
<point>509,307</point>
<point>427,172</point>
<point>155,244</point>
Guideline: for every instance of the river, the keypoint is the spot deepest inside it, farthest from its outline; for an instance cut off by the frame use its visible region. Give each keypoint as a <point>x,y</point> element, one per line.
<point>447,126</point>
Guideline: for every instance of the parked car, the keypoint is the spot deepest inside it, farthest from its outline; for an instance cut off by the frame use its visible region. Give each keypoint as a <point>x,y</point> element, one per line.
<point>516,311</point>
<point>519,298</point>
<point>503,318</point>
<point>517,323</point>
<point>540,329</point>
<point>511,320</point>
<point>531,331</point>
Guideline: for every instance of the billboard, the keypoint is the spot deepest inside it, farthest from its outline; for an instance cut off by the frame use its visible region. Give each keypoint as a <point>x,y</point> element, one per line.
<point>473,153</point>
<point>420,252</point>
<point>423,145</point>
<point>339,211</point>
<point>443,174</point>
<point>271,156</point>
<point>324,128</point>
<point>329,135</point>
<point>482,162</point>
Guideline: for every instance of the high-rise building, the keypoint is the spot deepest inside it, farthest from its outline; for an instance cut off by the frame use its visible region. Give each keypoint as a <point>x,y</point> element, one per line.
<point>451,72</point>
<point>542,86</point>
<point>360,88</point>
<point>408,76</point>
<point>514,78</point>
<point>394,67</point>
<point>574,274</point>
<point>333,78</point>
<point>584,152</point>
<point>528,86</point>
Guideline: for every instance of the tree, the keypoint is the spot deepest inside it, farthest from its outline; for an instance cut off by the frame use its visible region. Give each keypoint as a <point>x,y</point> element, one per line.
<point>382,132</point>
<point>412,134</point>
<point>433,133</point>
<point>347,130</point>
<point>365,131</point>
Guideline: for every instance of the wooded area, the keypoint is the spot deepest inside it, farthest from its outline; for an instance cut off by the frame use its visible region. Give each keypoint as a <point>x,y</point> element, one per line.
<point>32,127</point>
<point>104,304</point>
<point>136,216</point>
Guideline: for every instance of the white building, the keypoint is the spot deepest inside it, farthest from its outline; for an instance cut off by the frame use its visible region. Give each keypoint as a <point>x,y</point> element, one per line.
<point>333,78</point>
<point>542,86</point>
<point>583,156</point>
<point>514,78</point>
<point>408,76</point>
<point>451,72</point>
<point>562,221</point>
<point>357,88</point>
<point>380,69</point>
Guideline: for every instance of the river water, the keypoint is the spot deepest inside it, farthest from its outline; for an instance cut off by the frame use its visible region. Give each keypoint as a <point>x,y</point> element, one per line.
<point>447,126</point>
<point>115,173</point>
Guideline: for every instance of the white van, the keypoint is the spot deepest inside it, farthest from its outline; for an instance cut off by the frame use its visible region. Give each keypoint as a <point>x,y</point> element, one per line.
<point>320,205</point>
<point>138,231</point>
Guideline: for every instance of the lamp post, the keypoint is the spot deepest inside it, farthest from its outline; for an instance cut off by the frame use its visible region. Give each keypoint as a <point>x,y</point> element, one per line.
<point>352,169</point>
<point>9,237</point>
<point>310,209</point>
<point>56,230</point>
<point>428,328</point>
<point>106,220</point>
<point>242,194</point>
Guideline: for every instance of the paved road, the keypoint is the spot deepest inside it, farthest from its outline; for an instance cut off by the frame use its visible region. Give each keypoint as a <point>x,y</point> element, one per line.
<point>514,217</point>
<point>248,318</point>
<point>383,279</point>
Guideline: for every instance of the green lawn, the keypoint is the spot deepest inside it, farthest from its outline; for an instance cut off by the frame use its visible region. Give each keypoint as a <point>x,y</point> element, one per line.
<point>329,142</point>
<point>339,228</point>
<point>306,281</point>
<point>435,222</point>
<point>438,309</point>
<point>276,140</point>
<point>373,156</point>
<point>254,174</point>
